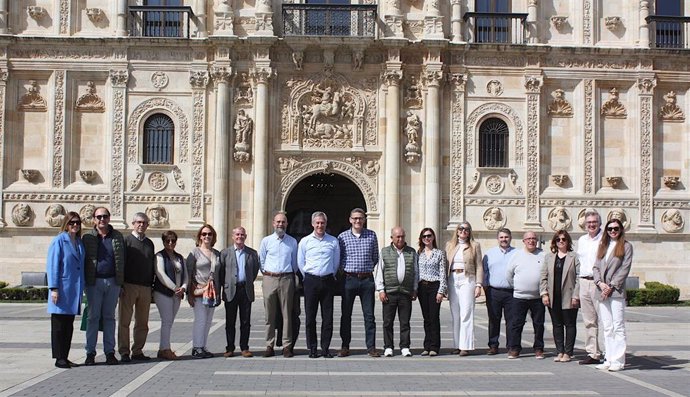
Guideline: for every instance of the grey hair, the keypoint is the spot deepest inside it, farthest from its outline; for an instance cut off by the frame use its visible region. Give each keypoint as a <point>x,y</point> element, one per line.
<point>140,215</point>
<point>591,212</point>
<point>319,214</point>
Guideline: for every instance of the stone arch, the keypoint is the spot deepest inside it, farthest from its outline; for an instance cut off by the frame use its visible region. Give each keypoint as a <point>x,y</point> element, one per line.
<point>361,180</point>
<point>135,127</point>
<point>498,110</point>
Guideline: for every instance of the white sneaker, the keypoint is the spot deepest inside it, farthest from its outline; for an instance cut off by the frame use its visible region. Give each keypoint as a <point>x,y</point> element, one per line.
<point>388,352</point>
<point>616,368</point>
<point>605,366</point>
<point>406,352</point>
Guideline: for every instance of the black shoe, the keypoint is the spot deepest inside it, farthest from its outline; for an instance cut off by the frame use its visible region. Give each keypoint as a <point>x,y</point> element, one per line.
<point>326,354</point>
<point>110,359</point>
<point>314,354</point>
<point>71,364</point>
<point>125,358</point>
<point>206,353</point>
<point>589,360</point>
<point>140,357</point>
<point>197,353</point>
<point>90,359</point>
<point>62,363</point>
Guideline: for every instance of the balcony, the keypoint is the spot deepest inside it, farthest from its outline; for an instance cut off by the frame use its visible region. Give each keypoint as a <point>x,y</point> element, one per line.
<point>160,21</point>
<point>669,31</point>
<point>355,20</point>
<point>495,27</point>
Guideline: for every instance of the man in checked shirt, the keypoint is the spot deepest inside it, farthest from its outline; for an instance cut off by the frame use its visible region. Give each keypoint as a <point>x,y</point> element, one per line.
<point>359,253</point>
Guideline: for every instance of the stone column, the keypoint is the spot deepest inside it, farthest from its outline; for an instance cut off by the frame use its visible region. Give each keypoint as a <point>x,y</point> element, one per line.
<point>457,148</point>
<point>645,86</point>
<point>117,125</point>
<point>121,27</point>
<point>644,27</point>
<point>456,21</point>
<point>533,84</point>
<point>221,172</point>
<point>532,33</point>
<point>261,75</point>
<point>3,93</point>
<point>58,151</point>
<point>4,21</point>
<point>392,76</point>
<point>200,13</point>
<point>433,75</point>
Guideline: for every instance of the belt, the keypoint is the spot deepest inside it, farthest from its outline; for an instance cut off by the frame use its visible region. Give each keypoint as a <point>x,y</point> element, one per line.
<point>458,270</point>
<point>241,284</point>
<point>502,289</point>
<point>326,277</point>
<point>590,278</point>
<point>271,274</point>
<point>426,282</point>
<point>359,275</point>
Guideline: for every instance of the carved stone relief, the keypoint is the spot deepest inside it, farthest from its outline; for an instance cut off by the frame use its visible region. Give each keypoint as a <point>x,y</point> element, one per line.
<point>158,216</point>
<point>494,88</point>
<point>672,221</point>
<point>646,149</point>
<point>32,101</point>
<point>55,214</point>
<point>158,181</point>
<point>581,217</point>
<point>559,219</point>
<point>22,214</point>
<point>177,176</point>
<point>560,107</point>
<point>589,136</point>
<point>612,108</point>
<point>494,218</point>
<point>619,213</point>
<point>86,215</point>
<point>118,149</point>
<point>494,184</point>
<point>59,130</point>
<point>587,22</point>
<point>457,142</point>
<point>137,118</point>
<point>30,175</point>
<point>135,183</point>
<point>670,111</point>
<point>472,125</point>
<point>159,80</point>
<point>413,130</point>
<point>64,16</point>
<point>413,93</point>
<point>198,153</point>
<point>244,128</point>
<point>244,94</point>
<point>90,102</point>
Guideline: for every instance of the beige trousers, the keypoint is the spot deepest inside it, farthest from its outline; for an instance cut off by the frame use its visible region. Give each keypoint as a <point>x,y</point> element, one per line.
<point>588,308</point>
<point>135,299</point>
<point>279,293</point>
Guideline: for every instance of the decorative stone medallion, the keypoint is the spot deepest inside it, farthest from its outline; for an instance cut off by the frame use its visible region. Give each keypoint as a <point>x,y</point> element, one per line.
<point>494,218</point>
<point>55,214</point>
<point>619,214</point>
<point>158,181</point>
<point>86,215</point>
<point>672,221</point>
<point>22,214</point>
<point>559,219</point>
<point>159,80</point>
<point>494,184</point>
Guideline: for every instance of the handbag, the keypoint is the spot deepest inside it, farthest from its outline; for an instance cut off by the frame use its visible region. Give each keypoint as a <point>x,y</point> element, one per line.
<point>209,298</point>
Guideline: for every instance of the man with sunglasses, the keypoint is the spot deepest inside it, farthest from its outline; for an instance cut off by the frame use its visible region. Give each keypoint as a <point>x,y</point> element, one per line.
<point>136,291</point>
<point>523,275</point>
<point>587,246</point>
<point>104,271</point>
<point>359,253</point>
<point>499,293</point>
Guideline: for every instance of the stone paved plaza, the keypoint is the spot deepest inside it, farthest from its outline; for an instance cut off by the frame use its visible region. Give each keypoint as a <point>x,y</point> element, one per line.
<point>658,363</point>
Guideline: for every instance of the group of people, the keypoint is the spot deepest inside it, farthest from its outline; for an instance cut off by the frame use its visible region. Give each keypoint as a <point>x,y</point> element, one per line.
<point>113,268</point>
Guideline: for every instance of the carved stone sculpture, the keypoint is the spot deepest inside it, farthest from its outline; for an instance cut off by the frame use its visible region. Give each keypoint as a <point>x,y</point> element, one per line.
<point>88,176</point>
<point>494,218</point>
<point>619,213</point>
<point>612,108</point>
<point>86,215</point>
<point>158,216</point>
<point>559,22</point>
<point>560,180</point>
<point>612,23</point>
<point>55,214</point>
<point>90,102</point>
<point>672,221</point>
<point>560,107</point>
<point>559,219</point>
<point>244,93</point>
<point>413,94</point>
<point>670,111</point>
<point>298,59</point>
<point>30,175</point>
<point>22,214</point>
<point>357,60</point>
<point>413,129</point>
<point>614,181</point>
<point>494,88</point>
<point>329,114</point>
<point>95,15</point>
<point>32,101</point>
<point>36,13</point>
<point>671,181</point>
<point>244,127</point>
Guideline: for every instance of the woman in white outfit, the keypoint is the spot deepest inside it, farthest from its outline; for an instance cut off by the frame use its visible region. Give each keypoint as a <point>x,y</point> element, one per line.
<point>610,271</point>
<point>465,273</point>
<point>168,290</point>
<point>203,264</point>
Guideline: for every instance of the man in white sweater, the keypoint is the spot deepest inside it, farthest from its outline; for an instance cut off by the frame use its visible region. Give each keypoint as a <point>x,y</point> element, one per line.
<point>523,275</point>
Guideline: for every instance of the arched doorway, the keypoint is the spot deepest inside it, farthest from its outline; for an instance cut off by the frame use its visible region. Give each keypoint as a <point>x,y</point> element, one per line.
<point>331,193</point>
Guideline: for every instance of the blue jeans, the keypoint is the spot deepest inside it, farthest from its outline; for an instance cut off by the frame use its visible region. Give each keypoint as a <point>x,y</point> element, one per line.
<point>102,298</point>
<point>365,289</point>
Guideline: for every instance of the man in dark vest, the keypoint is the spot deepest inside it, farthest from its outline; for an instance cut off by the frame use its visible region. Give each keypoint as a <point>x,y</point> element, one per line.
<point>397,277</point>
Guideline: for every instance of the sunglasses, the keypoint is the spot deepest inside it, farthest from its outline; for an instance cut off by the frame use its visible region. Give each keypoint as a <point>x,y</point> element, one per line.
<point>357,219</point>
<point>170,241</point>
<point>101,217</point>
<point>74,223</point>
<point>613,229</point>
<point>206,234</point>
<point>464,229</point>
<point>561,239</point>
<point>427,236</point>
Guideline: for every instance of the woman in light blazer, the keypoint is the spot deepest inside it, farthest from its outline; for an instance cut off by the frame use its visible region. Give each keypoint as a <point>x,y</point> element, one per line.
<point>610,271</point>
<point>465,275</point>
<point>560,290</point>
<point>65,271</point>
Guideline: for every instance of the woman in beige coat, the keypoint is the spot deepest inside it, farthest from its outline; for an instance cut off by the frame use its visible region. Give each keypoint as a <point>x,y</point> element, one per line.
<point>465,275</point>
<point>560,291</point>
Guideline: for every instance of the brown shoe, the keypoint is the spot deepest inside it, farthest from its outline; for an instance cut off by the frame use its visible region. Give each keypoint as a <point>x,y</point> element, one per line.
<point>455,351</point>
<point>464,353</point>
<point>269,352</point>
<point>247,354</point>
<point>539,354</point>
<point>493,350</point>
<point>513,354</point>
<point>374,353</point>
<point>287,352</point>
<point>229,354</point>
<point>589,360</point>
<point>344,352</point>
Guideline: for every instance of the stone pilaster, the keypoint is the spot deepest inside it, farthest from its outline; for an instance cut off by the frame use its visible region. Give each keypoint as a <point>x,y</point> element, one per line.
<point>433,75</point>
<point>456,21</point>
<point>532,31</point>
<point>118,80</point>
<point>198,189</point>
<point>121,10</point>
<point>587,22</point>
<point>3,93</point>
<point>533,84</point>
<point>588,144</point>
<point>58,151</point>
<point>458,81</point>
<point>64,19</point>
<point>645,86</point>
<point>644,27</point>
<point>392,75</point>
<point>221,172</point>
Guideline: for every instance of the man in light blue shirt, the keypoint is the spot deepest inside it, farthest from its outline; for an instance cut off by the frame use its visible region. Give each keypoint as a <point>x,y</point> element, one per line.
<point>318,258</point>
<point>499,294</point>
<point>278,257</point>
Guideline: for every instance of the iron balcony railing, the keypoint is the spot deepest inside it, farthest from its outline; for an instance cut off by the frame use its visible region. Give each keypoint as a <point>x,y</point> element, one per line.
<point>496,27</point>
<point>160,21</point>
<point>669,31</point>
<point>355,20</point>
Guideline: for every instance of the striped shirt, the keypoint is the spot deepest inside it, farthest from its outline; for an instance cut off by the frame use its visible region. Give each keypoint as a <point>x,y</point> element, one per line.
<point>433,268</point>
<point>358,254</point>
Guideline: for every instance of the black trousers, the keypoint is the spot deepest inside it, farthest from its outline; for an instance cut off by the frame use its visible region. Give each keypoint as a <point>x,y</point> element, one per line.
<point>402,304</point>
<point>61,329</point>
<point>519,316</point>
<point>319,291</point>
<point>564,319</point>
<point>498,303</point>
<point>242,304</point>
<point>296,323</point>
<point>426,294</point>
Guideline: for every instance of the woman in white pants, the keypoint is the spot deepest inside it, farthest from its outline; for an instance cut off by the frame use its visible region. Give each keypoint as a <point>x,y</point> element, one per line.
<point>203,265</point>
<point>168,290</point>
<point>465,273</point>
<point>614,259</point>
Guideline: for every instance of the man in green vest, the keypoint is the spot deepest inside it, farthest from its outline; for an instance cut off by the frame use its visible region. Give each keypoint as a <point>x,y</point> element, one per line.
<point>397,276</point>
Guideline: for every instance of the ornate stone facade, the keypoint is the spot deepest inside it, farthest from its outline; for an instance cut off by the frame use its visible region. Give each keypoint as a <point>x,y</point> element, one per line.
<point>400,115</point>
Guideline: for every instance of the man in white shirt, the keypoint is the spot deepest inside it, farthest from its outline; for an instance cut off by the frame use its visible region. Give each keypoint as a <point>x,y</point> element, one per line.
<point>587,246</point>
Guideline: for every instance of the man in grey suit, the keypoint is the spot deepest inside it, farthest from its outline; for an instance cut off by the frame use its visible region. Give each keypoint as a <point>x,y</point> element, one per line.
<point>239,267</point>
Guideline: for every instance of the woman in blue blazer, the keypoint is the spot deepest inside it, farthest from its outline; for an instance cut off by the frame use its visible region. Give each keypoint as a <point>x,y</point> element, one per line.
<point>65,270</point>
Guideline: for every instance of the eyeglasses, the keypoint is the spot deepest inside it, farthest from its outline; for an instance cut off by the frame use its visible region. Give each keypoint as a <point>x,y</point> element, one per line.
<point>171,241</point>
<point>561,239</point>
<point>101,217</point>
<point>427,236</point>
<point>357,219</point>
<point>464,229</point>
<point>530,239</point>
<point>74,223</point>
<point>206,234</point>
<point>613,229</point>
